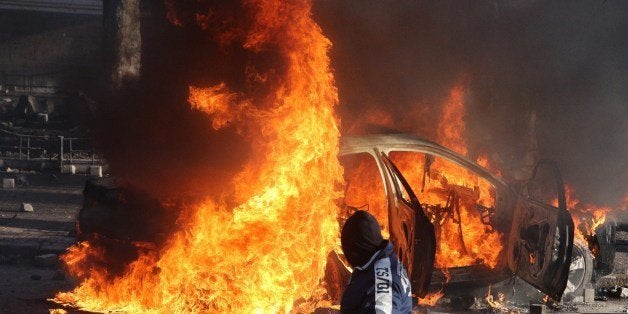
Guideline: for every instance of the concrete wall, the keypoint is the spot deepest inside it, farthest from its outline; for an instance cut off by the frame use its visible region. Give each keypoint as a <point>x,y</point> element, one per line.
<point>49,49</point>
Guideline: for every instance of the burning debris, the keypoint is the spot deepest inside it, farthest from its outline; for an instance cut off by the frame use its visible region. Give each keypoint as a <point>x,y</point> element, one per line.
<point>496,303</point>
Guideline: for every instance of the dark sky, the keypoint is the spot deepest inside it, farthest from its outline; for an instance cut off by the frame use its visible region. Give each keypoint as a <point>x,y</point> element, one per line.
<point>565,60</point>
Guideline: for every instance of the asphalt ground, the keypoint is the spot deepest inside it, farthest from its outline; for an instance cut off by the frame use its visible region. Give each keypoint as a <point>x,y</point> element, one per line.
<point>56,200</point>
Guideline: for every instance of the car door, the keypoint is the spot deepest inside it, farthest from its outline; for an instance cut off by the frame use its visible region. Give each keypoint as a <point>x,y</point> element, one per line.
<point>542,233</point>
<point>411,232</point>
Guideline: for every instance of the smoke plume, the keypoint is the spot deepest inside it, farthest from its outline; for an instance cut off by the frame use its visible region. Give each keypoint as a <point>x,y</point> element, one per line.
<point>564,61</point>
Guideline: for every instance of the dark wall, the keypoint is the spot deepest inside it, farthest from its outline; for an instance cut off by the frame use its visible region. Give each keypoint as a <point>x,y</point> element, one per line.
<point>53,49</point>
<point>150,135</point>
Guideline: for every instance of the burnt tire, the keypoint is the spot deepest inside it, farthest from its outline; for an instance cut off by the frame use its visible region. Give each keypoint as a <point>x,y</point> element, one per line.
<point>580,271</point>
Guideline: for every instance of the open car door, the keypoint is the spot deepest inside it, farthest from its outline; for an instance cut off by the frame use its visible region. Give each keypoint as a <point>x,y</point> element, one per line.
<point>411,232</point>
<point>542,233</point>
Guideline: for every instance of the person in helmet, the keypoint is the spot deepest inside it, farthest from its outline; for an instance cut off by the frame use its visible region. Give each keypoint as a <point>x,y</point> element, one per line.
<point>379,282</point>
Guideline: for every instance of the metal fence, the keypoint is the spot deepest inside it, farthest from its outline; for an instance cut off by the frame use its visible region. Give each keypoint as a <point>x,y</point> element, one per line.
<point>64,150</point>
<point>91,7</point>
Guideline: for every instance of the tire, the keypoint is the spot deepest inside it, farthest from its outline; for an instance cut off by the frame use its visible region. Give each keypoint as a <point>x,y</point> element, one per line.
<point>580,271</point>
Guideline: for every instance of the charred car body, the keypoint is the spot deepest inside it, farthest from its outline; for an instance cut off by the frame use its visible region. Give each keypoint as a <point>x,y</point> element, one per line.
<point>413,187</point>
<point>529,219</point>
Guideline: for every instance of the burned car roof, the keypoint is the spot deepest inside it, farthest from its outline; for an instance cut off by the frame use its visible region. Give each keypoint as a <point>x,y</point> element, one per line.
<point>406,142</point>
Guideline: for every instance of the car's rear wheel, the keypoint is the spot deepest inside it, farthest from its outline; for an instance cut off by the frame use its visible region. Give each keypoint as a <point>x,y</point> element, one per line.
<point>580,271</point>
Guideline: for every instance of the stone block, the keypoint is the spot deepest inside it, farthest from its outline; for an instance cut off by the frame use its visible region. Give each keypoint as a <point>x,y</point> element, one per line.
<point>71,169</point>
<point>96,171</point>
<point>8,183</point>
<point>27,207</point>
<point>537,308</point>
<point>589,295</point>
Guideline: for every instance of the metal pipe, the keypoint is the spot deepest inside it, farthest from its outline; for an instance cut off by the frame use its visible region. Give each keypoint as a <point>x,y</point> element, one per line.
<point>70,150</point>
<point>61,152</point>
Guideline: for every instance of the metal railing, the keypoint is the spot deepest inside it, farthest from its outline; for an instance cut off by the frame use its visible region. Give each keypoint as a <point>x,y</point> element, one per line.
<point>30,83</point>
<point>91,7</point>
<point>72,150</point>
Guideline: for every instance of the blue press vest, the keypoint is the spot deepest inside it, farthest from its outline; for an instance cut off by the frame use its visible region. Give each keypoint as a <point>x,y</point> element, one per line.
<point>380,286</point>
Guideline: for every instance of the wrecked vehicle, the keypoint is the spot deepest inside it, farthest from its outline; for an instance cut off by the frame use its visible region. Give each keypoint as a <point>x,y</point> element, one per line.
<point>454,224</point>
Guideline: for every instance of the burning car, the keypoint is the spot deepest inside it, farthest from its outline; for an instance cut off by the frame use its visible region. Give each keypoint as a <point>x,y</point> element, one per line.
<point>452,221</point>
<point>454,224</point>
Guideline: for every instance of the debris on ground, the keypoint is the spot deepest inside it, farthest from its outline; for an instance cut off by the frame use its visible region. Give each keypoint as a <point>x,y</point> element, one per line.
<point>27,207</point>
<point>8,183</point>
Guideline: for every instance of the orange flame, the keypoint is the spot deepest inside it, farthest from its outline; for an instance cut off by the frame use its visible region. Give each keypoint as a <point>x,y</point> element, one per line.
<point>271,249</point>
<point>461,240</point>
<point>461,237</point>
<point>496,303</point>
<point>432,298</point>
<point>451,127</point>
<point>532,258</point>
<point>480,243</point>
<point>586,217</point>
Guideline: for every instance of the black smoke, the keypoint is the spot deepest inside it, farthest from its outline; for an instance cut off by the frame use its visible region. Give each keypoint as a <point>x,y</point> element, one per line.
<point>149,134</point>
<point>567,61</point>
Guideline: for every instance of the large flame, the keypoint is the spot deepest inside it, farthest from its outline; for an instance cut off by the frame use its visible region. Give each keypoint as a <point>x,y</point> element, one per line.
<point>269,250</point>
<point>462,239</point>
